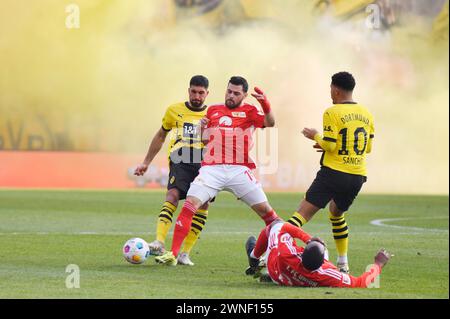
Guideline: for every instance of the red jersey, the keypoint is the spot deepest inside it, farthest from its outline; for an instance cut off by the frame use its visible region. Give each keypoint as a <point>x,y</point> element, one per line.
<point>230,134</point>
<point>285,265</point>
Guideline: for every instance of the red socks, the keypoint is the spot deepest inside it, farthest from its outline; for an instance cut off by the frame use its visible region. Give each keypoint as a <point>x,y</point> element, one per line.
<point>270,217</point>
<point>182,226</point>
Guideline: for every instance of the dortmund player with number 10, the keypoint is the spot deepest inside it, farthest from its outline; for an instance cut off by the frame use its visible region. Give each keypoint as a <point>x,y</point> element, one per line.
<point>348,131</point>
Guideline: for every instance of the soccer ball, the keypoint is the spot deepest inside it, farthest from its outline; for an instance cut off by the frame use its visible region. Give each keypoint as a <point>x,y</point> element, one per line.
<point>136,250</point>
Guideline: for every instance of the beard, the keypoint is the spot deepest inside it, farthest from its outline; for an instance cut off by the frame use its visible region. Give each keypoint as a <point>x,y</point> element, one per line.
<point>232,105</point>
<point>196,103</point>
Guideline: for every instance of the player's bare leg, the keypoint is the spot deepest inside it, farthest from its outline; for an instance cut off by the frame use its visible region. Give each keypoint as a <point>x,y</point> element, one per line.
<point>257,200</point>
<point>340,235</point>
<point>165,221</point>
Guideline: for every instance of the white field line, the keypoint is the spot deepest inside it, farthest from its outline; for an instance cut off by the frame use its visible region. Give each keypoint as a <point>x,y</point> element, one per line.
<point>381,223</point>
<point>112,233</point>
<point>206,233</point>
<point>376,222</point>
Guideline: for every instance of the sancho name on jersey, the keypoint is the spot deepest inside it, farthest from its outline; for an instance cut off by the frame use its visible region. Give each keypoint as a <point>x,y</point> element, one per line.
<point>351,127</point>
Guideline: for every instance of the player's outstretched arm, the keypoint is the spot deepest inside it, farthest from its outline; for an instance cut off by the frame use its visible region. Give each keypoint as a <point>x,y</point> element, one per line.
<point>328,141</point>
<point>269,119</point>
<point>380,260</point>
<point>295,232</point>
<point>154,148</point>
<point>322,143</point>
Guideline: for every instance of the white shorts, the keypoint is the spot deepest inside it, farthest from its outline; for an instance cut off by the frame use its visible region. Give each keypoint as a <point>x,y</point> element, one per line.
<point>236,179</point>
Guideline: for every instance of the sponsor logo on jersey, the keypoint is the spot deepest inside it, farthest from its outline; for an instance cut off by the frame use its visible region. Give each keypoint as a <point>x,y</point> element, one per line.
<point>190,130</point>
<point>225,121</point>
<point>239,114</point>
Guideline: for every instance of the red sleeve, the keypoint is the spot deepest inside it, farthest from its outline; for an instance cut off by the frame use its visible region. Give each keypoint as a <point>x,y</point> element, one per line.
<point>257,117</point>
<point>366,278</point>
<point>331,277</point>
<point>295,232</point>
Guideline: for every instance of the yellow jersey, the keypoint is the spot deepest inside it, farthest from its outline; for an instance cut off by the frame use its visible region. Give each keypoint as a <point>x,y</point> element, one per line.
<point>185,140</point>
<point>348,131</point>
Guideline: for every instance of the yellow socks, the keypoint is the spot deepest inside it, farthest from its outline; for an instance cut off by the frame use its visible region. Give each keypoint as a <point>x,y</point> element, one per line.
<point>198,222</point>
<point>165,221</point>
<point>340,235</point>
<point>297,220</point>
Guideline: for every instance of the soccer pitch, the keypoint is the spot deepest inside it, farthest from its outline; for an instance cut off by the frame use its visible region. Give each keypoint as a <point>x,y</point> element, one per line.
<point>42,232</point>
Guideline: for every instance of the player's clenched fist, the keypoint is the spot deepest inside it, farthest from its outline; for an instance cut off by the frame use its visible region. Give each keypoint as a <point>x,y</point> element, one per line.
<point>262,99</point>
<point>140,169</point>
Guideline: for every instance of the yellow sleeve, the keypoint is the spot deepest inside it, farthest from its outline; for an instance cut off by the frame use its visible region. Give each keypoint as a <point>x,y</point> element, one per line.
<point>371,136</point>
<point>328,141</point>
<point>167,121</point>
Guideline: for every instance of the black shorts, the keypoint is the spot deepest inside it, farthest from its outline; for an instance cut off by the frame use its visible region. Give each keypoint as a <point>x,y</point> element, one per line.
<point>181,175</point>
<point>334,185</point>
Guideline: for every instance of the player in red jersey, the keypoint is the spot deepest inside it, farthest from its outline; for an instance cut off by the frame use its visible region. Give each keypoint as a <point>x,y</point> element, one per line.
<point>228,130</point>
<point>291,265</point>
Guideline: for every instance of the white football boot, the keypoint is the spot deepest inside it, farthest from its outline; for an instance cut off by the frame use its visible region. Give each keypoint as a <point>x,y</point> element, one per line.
<point>183,259</point>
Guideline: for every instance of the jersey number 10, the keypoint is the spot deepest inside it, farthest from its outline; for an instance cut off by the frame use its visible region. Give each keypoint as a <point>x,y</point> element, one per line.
<point>359,130</point>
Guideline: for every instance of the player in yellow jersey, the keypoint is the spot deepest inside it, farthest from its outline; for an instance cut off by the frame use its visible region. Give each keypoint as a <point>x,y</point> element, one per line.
<point>182,120</point>
<point>348,131</point>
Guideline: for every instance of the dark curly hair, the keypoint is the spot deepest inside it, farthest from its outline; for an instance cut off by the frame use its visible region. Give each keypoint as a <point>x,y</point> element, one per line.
<point>344,81</point>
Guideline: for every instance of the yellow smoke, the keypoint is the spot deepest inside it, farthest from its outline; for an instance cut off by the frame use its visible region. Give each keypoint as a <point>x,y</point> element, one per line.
<point>105,86</point>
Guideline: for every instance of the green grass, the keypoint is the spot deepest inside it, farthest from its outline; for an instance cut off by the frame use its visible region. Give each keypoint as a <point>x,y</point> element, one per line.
<point>41,232</point>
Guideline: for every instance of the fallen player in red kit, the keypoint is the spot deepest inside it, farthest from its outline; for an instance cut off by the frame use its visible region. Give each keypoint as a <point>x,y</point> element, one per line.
<point>292,265</point>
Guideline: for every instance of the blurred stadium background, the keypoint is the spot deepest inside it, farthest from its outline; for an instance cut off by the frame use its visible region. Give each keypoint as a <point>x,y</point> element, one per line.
<point>79,105</point>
